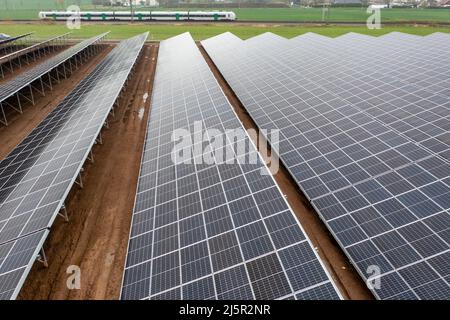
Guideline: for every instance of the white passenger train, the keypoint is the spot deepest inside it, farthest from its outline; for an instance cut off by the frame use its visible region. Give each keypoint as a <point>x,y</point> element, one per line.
<point>141,15</point>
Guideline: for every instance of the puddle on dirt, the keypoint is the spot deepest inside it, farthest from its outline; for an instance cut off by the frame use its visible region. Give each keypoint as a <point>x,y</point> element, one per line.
<point>145,97</point>
<point>141,113</point>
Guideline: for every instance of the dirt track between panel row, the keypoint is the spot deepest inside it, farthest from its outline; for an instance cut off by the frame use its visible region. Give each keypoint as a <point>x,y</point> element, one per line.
<point>96,237</point>
<point>346,277</point>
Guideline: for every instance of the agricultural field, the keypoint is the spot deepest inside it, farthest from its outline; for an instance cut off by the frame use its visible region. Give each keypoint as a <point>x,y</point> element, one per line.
<point>28,10</point>
<point>203,31</point>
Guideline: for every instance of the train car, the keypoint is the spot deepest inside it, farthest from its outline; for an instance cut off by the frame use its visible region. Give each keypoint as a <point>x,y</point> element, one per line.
<point>140,15</point>
<point>96,16</point>
<point>170,16</point>
<point>212,16</point>
<point>126,16</point>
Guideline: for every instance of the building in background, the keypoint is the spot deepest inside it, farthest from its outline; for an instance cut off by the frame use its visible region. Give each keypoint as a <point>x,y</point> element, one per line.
<point>347,2</point>
<point>124,3</point>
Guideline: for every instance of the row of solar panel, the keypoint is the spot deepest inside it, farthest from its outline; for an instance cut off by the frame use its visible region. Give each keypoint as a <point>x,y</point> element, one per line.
<point>32,48</point>
<point>214,230</point>
<point>364,131</point>
<point>23,80</point>
<point>37,175</point>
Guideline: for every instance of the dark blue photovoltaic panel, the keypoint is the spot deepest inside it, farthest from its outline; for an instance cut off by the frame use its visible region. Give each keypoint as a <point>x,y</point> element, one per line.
<point>364,128</point>
<point>210,230</point>
<point>16,260</point>
<point>5,41</point>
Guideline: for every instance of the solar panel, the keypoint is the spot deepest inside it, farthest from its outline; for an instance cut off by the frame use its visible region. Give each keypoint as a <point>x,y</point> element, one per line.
<point>16,259</point>
<point>37,175</point>
<point>33,49</point>
<point>266,37</point>
<point>12,39</point>
<point>11,87</point>
<point>210,230</point>
<point>413,94</point>
<point>383,194</point>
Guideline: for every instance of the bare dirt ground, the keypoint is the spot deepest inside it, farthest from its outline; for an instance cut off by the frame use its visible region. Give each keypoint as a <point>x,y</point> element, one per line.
<point>20,125</point>
<point>27,66</point>
<point>346,277</point>
<point>96,237</point>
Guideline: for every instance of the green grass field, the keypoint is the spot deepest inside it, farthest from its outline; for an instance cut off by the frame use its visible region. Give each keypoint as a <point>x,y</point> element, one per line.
<point>28,9</point>
<point>199,32</point>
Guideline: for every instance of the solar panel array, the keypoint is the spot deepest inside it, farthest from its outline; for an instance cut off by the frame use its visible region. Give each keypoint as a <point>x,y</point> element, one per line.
<point>37,175</point>
<point>16,84</point>
<point>364,127</point>
<point>210,231</point>
<point>16,260</point>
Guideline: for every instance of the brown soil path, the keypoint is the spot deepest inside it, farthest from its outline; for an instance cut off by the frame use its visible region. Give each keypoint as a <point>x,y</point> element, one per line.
<point>96,237</point>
